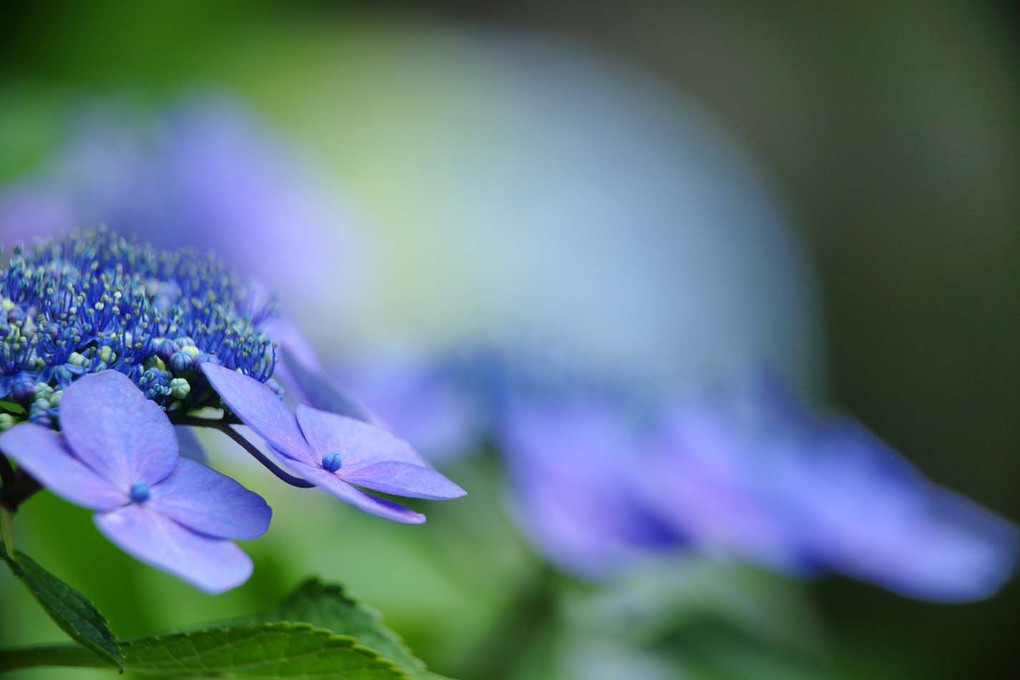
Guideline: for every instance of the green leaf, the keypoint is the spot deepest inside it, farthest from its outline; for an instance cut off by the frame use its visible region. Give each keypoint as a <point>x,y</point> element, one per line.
<point>326,606</point>
<point>12,407</point>
<point>71,610</point>
<point>269,651</point>
<point>296,651</point>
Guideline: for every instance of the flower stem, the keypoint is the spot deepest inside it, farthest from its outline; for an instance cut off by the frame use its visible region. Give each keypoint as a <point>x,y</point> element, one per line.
<point>15,492</point>
<point>239,439</point>
<point>6,470</point>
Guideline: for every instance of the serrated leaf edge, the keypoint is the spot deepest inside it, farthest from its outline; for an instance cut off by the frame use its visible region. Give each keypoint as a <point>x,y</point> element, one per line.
<point>375,615</point>
<point>333,639</point>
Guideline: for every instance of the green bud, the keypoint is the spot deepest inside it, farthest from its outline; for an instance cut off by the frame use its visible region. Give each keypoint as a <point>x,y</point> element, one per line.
<point>179,388</point>
<point>6,421</point>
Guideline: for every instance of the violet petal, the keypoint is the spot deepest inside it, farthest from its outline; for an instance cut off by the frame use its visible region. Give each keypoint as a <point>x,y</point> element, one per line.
<point>116,431</point>
<point>211,564</point>
<point>44,454</point>
<point>404,479</point>
<point>205,500</point>
<point>330,482</point>
<point>359,444</point>
<point>261,409</point>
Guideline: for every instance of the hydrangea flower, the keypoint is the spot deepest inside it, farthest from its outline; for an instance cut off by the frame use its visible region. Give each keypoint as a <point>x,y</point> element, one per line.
<point>568,466</point>
<point>764,481</point>
<point>105,347</point>
<point>93,301</point>
<point>334,452</point>
<point>117,454</point>
<point>776,485</point>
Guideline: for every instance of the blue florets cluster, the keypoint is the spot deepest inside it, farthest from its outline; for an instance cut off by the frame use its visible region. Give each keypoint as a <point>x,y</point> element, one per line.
<point>92,301</point>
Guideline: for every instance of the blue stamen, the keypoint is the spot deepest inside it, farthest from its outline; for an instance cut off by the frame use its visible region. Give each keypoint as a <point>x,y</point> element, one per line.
<point>332,462</point>
<point>140,492</point>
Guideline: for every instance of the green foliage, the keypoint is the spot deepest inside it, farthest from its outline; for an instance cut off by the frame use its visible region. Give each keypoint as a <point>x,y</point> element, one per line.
<point>71,610</point>
<point>268,650</point>
<point>315,633</point>
<point>326,606</point>
<point>12,407</point>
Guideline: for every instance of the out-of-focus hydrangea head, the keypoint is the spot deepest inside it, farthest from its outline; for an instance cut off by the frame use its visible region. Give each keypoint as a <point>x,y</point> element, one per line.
<point>569,466</point>
<point>570,203</point>
<point>206,174</point>
<point>756,478</point>
<point>117,454</point>
<point>866,512</point>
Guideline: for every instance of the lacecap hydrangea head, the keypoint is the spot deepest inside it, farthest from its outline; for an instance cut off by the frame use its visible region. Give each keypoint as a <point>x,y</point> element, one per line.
<point>93,301</point>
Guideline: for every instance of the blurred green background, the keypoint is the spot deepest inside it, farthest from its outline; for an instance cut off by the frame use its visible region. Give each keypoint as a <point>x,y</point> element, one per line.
<point>889,130</point>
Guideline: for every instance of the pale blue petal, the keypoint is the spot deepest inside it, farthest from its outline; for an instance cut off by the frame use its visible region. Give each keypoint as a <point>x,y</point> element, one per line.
<point>211,564</point>
<point>374,506</point>
<point>188,444</point>
<point>404,479</point>
<point>261,409</point>
<point>115,430</point>
<point>207,501</point>
<point>43,453</point>
<point>359,444</point>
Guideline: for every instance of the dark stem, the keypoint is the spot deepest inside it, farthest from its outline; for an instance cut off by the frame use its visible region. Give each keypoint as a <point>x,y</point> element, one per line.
<point>226,429</point>
<point>21,487</point>
<point>6,470</point>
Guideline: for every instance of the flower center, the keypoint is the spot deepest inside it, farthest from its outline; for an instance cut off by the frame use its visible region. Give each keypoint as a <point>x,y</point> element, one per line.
<point>140,492</point>
<point>332,461</point>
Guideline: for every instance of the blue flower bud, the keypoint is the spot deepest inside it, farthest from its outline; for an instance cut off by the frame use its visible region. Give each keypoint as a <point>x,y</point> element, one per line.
<point>140,492</point>
<point>166,349</point>
<point>24,388</point>
<point>332,461</point>
<point>181,362</point>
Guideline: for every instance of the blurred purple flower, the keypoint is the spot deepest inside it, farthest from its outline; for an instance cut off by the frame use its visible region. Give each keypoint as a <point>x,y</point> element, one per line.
<point>568,467</point>
<point>208,175</point>
<point>118,455</point>
<point>761,480</point>
<point>780,487</point>
<point>334,452</point>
